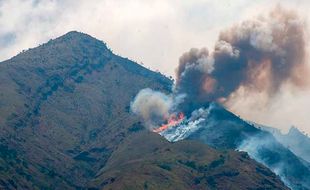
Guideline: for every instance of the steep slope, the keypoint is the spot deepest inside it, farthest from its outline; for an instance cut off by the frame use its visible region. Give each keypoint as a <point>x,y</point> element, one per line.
<point>147,161</point>
<point>223,130</point>
<point>66,123</point>
<point>295,140</point>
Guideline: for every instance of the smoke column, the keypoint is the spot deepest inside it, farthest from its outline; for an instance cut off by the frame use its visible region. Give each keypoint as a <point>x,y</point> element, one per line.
<point>259,55</point>
<point>252,70</point>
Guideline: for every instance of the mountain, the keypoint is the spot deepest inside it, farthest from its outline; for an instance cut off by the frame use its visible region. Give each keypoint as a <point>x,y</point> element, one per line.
<point>295,140</point>
<point>66,124</point>
<point>64,108</point>
<point>222,129</point>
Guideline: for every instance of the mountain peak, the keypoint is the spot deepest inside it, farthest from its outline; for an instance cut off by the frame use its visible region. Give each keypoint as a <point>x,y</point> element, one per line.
<point>71,46</point>
<point>75,36</point>
<point>74,33</point>
<point>75,39</point>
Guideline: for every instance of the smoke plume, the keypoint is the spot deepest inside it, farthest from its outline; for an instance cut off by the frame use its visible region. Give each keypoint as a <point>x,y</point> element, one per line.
<point>257,69</point>
<point>254,66</point>
<point>259,55</point>
<point>152,106</point>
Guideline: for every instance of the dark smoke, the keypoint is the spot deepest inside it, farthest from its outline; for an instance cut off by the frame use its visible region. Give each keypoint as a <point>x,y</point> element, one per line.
<point>256,69</point>
<point>192,74</point>
<point>258,55</point>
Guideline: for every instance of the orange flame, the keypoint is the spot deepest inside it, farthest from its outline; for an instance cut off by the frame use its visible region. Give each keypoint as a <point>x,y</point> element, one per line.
<point>172,122</point>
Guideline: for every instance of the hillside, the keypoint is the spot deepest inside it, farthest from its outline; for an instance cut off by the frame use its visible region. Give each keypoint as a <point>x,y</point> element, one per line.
<point>223,130</point>
<point>64,107</point>
<point>65,123</point>
<point>146,161</point>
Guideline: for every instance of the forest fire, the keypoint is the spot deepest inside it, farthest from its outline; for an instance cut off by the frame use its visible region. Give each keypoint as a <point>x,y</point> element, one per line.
<point>172,121</point>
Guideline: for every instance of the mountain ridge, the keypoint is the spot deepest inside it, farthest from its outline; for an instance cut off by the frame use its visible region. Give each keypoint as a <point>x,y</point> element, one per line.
<point>65,110</point>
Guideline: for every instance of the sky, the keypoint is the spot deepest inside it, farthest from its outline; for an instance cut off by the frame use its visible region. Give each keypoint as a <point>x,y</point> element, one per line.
<point>152,32</point>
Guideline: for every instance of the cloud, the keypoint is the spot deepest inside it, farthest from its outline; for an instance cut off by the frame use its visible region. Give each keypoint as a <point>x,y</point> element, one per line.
<point>153,32</point>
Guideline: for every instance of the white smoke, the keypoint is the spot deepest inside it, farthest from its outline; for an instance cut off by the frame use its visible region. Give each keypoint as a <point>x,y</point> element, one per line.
<point>290,107</point>
<point>152,106</point>
<point>253,145</point>
<point>187,127</point>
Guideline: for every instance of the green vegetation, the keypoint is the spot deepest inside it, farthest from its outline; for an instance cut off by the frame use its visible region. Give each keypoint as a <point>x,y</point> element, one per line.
<point>145,160</point>
<point>66,124</point>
